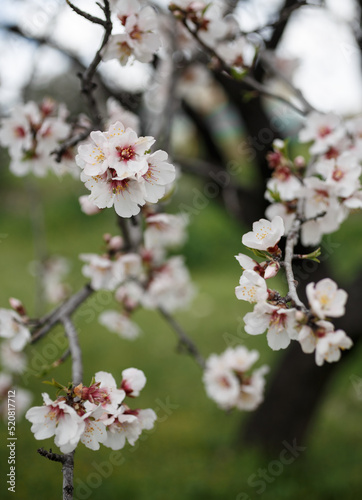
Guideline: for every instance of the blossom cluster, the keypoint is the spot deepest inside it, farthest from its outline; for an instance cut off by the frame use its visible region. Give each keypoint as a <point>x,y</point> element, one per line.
<point>31,133</point>
<point>228,380</point>
<point>119,170</point>
<point>94,415</point>
<point>14,335</point>
<point>324,192</point>
<point>278,315</point>
<point>146,278</point>
<point>219,32</point>
<point>139,39</point>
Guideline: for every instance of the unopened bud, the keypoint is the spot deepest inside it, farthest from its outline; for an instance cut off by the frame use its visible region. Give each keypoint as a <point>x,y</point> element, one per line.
<point>107,237</point>
<point>87,206</point>
<point>18,306</point>
<point>47,106</point>
<point>300,316</point>
<point>272,270</point>
<point>278,144</point>
<point>299,161</point>
<point>115,243</point>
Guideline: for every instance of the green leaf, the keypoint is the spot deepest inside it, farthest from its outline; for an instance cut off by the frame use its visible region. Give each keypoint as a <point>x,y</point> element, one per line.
<point>54,383</point>
<point>238,74</point>
<point>275,195</point>
<point>260,253</point>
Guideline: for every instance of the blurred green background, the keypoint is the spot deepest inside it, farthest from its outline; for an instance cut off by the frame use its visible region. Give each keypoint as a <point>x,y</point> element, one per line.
<point>195,451</point>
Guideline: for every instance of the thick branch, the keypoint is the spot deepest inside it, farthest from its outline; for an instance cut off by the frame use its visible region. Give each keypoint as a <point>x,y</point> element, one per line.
<point>67,469</point>
<point>55,457</point>
<point>185,341</point>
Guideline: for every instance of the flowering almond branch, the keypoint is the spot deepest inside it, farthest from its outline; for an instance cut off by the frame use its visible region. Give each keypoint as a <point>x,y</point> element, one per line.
<point>221,65</point>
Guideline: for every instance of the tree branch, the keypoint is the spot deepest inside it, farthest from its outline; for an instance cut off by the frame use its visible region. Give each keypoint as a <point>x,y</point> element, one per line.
<point>292,240</point>
<point>247,79</point>
<point>75,351</point>
<point>68,143</point>
<point>184,340</point>
<point>89,17</point>
<point>55,457</point>
<point>88,86</point>
<point>65,309</point>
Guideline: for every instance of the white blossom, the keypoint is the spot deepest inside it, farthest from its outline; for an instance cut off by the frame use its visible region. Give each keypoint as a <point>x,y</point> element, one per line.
<point>228,384</point>
<point>326,299</point>
<point>120,324</point>
<point>330,346</point>
<point>170,287</point>
<point>100,270</point>
<point>279,321</point>
<point>341,174</point>
<point>323,130</point>
<point>252,287</point>
<point>12,327</point>
<point>133,381</point>
<point>265,234</point>
<point>58,419</point>
<point>165,231</point>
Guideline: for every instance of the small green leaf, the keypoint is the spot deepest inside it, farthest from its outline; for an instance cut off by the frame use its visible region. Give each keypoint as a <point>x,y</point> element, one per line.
<point>275,195</point>
<point>54,383</point>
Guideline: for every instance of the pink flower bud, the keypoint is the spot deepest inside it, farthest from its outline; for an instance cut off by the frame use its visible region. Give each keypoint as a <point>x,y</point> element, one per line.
<point>87,206</point>
<point>272,270</point>
<point>133,381</point>
<point>115,243</point>
<point>299,316</point>
<point>18,306</point>
<point>299,161</point>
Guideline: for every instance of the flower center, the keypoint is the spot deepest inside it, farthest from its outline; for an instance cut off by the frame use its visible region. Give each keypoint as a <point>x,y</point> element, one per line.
<point>126,153</point>
<point>262,233</point>
<point>323,131</point>
<point>337,174</point>
<point>278,320</point>
<point>19,132</point>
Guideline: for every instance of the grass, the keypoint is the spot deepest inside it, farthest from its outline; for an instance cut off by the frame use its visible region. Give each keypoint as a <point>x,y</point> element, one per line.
<point>193,453</point>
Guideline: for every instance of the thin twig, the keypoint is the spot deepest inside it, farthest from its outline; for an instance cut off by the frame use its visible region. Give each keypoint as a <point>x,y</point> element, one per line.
<point>131,233</point>
<point>75,350</point>
<point>185,341</point>
<point>282,76</point>
<point>263,89</point>
<point>62,358</point>
<point>65,309</point>
<point>68,143</point>
<point>92,19</point>
<point>88,86</point>
<point>246,79</point>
